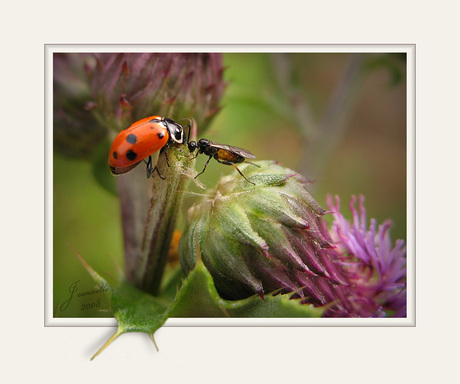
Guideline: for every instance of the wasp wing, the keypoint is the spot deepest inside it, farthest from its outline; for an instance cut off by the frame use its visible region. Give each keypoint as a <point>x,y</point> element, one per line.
<point>239,151</point>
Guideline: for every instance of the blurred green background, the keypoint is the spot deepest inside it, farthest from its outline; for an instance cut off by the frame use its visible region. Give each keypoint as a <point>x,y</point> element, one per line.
<point>276,106</point>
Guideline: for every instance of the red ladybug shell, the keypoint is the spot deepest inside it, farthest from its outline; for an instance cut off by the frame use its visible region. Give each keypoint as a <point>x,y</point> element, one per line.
<point>137,142</point>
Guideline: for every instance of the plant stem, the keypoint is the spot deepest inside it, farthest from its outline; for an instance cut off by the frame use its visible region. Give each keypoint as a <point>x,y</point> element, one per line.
<point>165,204</point>
<point>133,190</point>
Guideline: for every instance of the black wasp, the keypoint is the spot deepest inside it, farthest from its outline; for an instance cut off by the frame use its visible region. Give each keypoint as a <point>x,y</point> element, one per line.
<point>224,154</point>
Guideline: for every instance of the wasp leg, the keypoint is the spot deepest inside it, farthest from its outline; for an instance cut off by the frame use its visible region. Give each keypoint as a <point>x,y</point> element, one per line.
<point>210,157</point>
<point>151,170</point>
<point>241,173</point>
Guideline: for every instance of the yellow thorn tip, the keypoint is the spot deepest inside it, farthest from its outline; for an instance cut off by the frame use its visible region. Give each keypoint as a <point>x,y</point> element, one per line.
<point>107,343</point>
<point>153,340</point>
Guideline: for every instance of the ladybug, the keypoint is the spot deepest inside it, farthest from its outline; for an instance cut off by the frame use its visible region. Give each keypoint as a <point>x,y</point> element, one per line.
<point>224,154</point>
<point>141,140</point>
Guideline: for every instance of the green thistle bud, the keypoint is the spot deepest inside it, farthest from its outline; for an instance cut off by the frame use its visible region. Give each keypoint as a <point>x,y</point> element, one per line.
<point>260,238</point>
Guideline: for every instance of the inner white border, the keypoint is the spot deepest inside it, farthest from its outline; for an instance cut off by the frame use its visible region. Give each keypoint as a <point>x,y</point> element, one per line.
<point>409,49</point>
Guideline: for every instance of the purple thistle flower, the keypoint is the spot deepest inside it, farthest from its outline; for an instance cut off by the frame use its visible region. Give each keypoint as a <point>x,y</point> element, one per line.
<point>376,270</point>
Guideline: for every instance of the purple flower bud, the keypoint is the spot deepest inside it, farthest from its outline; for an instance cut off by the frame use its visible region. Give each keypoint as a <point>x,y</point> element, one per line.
<point>97,93</point>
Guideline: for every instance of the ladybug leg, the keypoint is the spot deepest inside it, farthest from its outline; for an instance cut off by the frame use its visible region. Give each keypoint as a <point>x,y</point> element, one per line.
<point>163,150</point>
<point>167,160</point>
<point>210,157</point>
<point>241,173</point>
<point>149,167</point>
<point>156,169</point>
<point>151,170</point>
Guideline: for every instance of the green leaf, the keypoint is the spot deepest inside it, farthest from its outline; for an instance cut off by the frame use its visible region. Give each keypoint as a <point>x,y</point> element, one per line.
<point>172,281</point>
<point>134,310</point>
<point>198,297</point>
<point>137,311</point>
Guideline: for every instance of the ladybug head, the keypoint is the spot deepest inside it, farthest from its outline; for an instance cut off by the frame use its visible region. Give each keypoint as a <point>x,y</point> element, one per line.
<point>176,132</point>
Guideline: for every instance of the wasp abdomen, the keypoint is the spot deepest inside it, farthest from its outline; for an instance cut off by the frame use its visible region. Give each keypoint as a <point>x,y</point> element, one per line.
<point>231,157</point>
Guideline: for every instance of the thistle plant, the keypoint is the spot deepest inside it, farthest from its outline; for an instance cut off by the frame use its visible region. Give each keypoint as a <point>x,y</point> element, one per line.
<point>249,249</point>
<point>271,237</point>
<point>98,95</point>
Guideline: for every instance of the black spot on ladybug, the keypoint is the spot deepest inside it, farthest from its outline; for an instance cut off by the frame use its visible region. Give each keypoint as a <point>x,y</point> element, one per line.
<point>131,138</point>
<point>131,155</point>
<point>115,155</point>
<point>160,135</point>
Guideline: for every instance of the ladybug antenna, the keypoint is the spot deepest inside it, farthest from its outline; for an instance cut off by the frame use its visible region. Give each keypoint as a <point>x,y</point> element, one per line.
<point>189,127</point>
